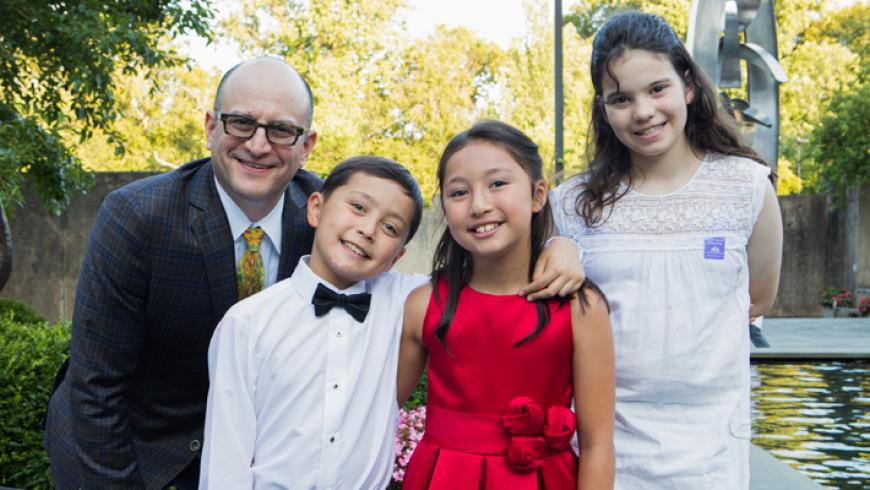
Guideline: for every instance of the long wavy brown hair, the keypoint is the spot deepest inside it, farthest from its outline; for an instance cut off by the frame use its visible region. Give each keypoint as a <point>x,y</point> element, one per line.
<point>709,128</point>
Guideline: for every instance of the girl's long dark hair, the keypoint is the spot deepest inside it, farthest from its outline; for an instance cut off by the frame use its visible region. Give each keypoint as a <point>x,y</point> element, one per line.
<point>708,127</point>
<point>454,263</point>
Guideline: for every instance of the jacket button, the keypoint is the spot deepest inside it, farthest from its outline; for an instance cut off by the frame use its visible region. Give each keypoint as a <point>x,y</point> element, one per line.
<point>195,445</point>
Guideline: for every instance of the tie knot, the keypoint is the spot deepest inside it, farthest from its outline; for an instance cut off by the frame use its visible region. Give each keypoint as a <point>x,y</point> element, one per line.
<point>253,236</point>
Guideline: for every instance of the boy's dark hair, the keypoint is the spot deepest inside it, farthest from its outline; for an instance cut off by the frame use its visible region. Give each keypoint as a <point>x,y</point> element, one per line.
<point>451,261</point>
<point>708,127</point>
<point>383,168</point>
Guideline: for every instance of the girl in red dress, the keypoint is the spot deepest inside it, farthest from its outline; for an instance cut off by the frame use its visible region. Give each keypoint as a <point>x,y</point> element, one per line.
<point>504,371</point>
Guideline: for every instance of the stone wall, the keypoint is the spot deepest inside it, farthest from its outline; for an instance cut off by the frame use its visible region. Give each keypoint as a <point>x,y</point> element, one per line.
<point>805,242</point>
<point>820,250</point>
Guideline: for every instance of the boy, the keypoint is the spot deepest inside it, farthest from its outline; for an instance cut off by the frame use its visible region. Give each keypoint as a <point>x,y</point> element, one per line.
<point>303,395</point>
<point>303,374</point>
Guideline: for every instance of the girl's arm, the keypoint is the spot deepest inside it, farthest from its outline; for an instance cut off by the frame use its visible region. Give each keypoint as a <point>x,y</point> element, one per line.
<point>412,351</point>
<point>594,386</point>
<point>765,255</point>
<point>558,272</point>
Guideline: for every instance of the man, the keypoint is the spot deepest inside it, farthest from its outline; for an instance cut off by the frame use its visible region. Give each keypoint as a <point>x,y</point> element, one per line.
<point>161,269</point>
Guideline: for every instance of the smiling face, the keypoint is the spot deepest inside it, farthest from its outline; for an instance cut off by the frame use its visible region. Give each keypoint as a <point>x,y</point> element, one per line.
<point>645,104</point>
<point>488,201</point>
<point>361,229</point>
<point>255,172</point>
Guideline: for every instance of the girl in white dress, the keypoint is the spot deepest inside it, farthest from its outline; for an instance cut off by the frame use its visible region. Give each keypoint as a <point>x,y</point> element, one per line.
<point>681,229</point>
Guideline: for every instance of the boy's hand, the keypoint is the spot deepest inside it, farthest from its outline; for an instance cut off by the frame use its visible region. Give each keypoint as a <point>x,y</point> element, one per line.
<point>558,272</point>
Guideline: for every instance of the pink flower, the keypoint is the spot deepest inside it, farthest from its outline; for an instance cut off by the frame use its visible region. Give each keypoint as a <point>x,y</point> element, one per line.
<point>410,431</point>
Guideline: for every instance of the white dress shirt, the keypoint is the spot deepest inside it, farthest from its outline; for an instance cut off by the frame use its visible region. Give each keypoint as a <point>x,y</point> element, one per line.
<point>299,401</point>
<point>271,225</point>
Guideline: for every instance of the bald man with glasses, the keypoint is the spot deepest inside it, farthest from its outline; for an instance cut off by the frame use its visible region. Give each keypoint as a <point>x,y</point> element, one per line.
<point>167,257</point>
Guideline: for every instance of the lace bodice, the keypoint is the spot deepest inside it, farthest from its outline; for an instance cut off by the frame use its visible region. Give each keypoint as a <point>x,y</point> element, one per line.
<point>724,198</point>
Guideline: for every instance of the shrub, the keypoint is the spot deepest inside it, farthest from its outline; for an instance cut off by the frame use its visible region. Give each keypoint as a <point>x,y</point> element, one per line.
<point>418,397</point>
<point>30,354</point>
<point>17,311</point>
<point>864,306</point>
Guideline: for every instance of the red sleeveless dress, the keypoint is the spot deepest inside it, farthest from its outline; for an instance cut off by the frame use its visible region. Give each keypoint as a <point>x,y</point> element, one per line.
<point>497,415</point>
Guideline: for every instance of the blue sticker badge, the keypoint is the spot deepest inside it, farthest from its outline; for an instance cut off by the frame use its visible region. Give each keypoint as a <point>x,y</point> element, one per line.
<point>714,248</point>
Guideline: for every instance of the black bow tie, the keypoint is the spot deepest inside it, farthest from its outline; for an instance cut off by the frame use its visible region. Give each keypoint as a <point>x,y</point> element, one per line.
<point>356,305</point>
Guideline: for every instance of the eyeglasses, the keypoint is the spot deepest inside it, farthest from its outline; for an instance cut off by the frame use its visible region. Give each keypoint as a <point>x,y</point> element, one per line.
<point>243,127</point>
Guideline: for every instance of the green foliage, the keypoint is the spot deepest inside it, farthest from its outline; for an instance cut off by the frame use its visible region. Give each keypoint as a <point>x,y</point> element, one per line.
<point>57,78</point>
<point>30,354</point>
<point>162,123</point>
<point>17,311</point>
<point>30,151</point>
<point>842,143</point>
<point>380,90</point>
<point>418,397</point>
<point>824,53</point>
<point>589,15</point>
<point>787,182</point>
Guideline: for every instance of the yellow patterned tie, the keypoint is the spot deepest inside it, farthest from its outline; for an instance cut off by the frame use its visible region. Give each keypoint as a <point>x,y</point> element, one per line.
<point>250,276</point>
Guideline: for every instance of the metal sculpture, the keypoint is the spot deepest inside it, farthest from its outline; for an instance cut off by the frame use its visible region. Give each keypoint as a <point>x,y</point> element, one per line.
<point>714,40</point>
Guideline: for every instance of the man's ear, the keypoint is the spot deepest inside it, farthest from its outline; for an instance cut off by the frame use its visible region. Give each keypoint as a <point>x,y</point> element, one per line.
<point>398,256</point>
<point>307,146</point>
<point>315,206</point>
<point>210,126</point>
<point>539,195</point>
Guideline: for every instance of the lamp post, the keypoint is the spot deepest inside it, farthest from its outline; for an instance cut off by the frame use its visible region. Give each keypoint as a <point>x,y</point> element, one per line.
<point>560,100</point>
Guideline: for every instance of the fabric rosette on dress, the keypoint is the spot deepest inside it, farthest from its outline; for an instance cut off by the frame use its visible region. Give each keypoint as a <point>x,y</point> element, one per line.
<point>527,447</point>
<point>534,434</point>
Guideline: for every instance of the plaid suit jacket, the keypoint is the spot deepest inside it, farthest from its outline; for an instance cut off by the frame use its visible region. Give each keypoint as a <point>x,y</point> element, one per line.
<point>158,275</point>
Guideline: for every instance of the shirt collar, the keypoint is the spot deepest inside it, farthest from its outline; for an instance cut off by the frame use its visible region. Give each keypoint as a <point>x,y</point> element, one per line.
<point>305,281</point>
<point>239,222</point>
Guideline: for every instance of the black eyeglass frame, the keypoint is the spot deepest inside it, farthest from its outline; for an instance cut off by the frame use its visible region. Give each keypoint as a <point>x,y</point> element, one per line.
<point>223,116</point>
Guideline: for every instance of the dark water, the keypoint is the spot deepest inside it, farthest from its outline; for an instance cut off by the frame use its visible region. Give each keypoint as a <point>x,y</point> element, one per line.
<point>816,418</point>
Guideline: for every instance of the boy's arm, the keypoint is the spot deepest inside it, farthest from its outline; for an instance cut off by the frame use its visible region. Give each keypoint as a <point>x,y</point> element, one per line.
<point>594,398</point>
<point>230,420</point>
<point>558,272</point>
<point>412,352</point>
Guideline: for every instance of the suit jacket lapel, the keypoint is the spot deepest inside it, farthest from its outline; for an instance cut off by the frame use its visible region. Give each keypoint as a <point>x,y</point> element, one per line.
<point>212,231</point>
<point>293,219</point>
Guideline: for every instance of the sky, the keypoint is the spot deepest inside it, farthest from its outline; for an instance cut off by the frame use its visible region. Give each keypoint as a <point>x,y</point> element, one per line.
<point>422,17</point>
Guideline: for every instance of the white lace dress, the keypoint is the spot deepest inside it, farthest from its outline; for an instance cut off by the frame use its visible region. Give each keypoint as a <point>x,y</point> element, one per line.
<point>674,268</point>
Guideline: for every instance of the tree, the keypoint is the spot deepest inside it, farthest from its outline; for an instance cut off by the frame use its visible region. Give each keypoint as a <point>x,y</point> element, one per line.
<point>824,53</point>
<point>56,78</point>
<point>527,80</point>
<point>162,123</point>
<point>377,90</point>
<point>589,15</point>
<point>842,142</point>
<point>346,50</point>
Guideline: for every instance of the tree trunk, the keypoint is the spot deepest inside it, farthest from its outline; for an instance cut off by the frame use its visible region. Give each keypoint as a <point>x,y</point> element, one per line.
<point>5,248</point>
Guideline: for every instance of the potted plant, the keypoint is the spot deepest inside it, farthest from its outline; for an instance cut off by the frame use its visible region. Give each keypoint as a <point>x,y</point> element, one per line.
<point>828,302</point>
<point>864,306</point>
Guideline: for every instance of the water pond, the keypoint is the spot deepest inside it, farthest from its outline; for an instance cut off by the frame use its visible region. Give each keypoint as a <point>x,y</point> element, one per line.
<point>816,418</point>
